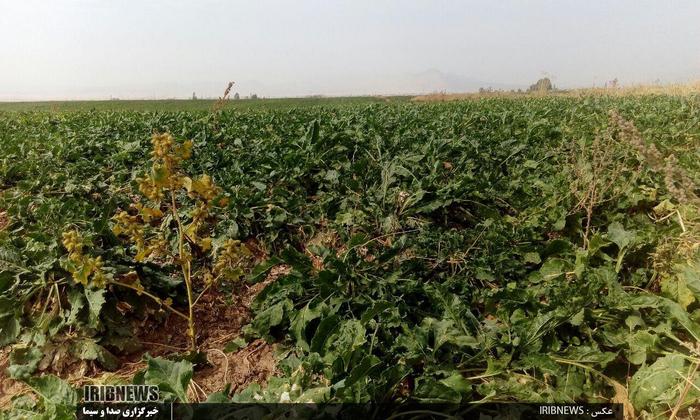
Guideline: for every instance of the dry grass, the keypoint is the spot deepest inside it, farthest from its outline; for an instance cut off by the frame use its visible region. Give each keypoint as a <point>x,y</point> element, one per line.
<point>600,171</point>
<point>221,102</point>
<point>679,89</point>
<point>325,238</point>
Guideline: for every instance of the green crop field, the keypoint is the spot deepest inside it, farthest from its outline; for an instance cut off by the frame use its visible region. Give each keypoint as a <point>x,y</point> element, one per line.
<point>192,105</point>
<point>495,249</point>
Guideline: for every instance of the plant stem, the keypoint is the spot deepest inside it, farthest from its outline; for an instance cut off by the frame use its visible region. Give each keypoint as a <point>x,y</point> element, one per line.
<point>154,297</point>
<point>186,270</point>
<point>203,291</point>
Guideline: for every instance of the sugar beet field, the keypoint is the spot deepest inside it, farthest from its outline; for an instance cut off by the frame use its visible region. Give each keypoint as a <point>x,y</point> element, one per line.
<point>540,249</point>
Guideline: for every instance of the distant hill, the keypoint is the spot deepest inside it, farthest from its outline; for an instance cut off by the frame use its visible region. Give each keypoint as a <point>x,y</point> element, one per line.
<point>434,80</point>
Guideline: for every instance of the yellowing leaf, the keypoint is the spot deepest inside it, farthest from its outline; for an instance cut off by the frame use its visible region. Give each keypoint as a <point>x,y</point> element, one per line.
<point>205,244</point>
<point>149,214</point>
<point>186,182</point>
<point>676,288</point>
<point>664,208</point>
<point>141,255</point>
<point>160,175</point>
<point>204,187</point>
<point>185,151</point>
<point>191,231</point>
<point>81,275</point>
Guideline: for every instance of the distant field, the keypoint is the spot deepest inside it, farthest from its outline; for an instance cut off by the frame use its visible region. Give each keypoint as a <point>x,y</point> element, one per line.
<point>684,89</point>
<point>191,105</point>
<point>168,105</point>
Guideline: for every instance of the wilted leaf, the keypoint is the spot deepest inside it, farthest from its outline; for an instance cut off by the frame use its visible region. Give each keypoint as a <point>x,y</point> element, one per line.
<point>235,345</point>
<point>172,377</point>
<point>299,322</point>
<point>95,300</point>
<point>24,361</point>
<point>87,349</point>
<point>53,390</point>
<point>621,237</point>
<point>430,391</point>
<point>658,383</point>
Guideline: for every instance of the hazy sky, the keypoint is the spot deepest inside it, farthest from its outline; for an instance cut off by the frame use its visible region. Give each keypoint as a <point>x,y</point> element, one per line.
<point>141,49</point>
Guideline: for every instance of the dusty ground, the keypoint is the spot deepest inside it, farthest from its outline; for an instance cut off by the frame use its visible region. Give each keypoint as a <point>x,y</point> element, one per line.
<point>8,387</point>
<point>219,321</point>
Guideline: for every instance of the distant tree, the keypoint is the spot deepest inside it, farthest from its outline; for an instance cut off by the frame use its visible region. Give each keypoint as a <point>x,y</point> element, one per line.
<point>236,96</point>
<point>253,96</point>
<point>194,96</point>
<point>542,85</point>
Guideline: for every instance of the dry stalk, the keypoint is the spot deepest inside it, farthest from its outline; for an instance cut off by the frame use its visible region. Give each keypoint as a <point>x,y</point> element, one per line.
<point>221,102</point>
<point>602,171</point>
